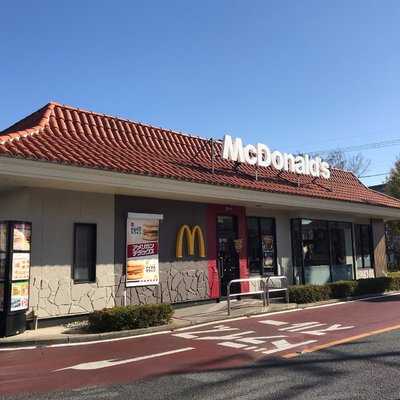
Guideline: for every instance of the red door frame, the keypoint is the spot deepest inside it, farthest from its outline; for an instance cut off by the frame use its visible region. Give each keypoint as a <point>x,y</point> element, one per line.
<point>213,210</point>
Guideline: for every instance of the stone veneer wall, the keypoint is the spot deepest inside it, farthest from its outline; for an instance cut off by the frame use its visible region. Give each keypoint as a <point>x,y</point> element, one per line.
<point>179,282</point>
<point>53,213</point>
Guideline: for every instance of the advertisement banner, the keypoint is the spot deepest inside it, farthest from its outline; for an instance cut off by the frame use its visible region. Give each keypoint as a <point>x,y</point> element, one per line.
<point>19,296</point>
<point>20,266</point>
<point>22,237</point>
<point>142,243</point>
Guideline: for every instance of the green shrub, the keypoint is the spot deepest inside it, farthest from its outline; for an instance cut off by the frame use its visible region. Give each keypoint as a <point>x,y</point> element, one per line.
<point>342,289</point>
<point>373,285</point>
<point>309,293</point>
<point>130,317</point>
<point>395,282</point>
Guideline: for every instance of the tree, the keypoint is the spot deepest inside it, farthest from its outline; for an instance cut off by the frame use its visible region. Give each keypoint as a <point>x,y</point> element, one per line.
<point>357,163</point>
<point>393,183</point>
<point>392,188</point>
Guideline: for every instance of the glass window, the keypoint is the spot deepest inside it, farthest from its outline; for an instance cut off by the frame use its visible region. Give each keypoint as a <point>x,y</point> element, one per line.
<point>341,250</point>
<point>297,251</point>
<point>253,247</point>
<point>85,253</point>
<point>363,240</point>
<point>315,245</point>
<point>322,251</point>
<point>261,245</point>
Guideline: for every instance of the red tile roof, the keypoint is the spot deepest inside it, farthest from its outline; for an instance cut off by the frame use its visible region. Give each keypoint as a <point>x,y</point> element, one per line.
<point>66,135</point>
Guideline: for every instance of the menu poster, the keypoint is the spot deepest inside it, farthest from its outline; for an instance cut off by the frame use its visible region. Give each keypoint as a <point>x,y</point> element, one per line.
<point>22,237</point>
<point>3,236</point>
<point>268,251</point>
<point>142,243</point>
<point>19,296</point>
<point>20,266</point>
<point>1,296</point>
<point>3,261</point>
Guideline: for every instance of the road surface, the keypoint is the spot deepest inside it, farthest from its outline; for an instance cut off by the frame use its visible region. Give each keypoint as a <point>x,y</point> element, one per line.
<point>289,354</point>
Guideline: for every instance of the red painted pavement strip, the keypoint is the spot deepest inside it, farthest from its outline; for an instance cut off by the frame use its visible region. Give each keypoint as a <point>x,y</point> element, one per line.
<point>33,370</point>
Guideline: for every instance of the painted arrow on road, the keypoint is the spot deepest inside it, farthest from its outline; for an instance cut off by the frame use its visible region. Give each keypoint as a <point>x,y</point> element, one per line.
<point>112,363</point>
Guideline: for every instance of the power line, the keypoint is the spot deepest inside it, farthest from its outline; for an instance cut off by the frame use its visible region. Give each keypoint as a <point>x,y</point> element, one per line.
<point>366,146</point>
<point>371,176</point>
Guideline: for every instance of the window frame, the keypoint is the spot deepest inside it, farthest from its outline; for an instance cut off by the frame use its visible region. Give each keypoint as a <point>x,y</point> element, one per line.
<point>329,223</point>
<point>275,259</point>
<point>93,270</point>
<point>358,232</point>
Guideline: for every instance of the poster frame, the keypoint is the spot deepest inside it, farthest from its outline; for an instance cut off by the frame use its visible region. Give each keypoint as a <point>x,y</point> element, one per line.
<point>141,217</point>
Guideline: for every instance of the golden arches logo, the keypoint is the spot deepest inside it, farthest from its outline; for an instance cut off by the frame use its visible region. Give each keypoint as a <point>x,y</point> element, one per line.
<point>191,235</point>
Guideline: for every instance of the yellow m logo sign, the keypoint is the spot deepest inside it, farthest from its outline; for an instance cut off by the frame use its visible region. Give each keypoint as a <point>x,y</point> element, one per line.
<point>191,235</point>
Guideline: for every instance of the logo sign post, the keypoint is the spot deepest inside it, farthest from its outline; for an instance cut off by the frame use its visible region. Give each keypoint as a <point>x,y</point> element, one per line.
<point>142,244</point>
<point>262,156</point>
<point>191,236</point>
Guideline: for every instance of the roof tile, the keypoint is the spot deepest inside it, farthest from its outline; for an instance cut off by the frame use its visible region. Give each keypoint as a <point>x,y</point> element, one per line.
<point>68,135</point>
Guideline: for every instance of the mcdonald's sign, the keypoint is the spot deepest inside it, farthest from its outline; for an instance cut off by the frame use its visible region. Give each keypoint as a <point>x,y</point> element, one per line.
<point>191,236</point>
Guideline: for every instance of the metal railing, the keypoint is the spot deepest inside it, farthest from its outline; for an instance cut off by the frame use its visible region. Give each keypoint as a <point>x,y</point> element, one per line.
<point>264,291</point>
<point>282,288</point>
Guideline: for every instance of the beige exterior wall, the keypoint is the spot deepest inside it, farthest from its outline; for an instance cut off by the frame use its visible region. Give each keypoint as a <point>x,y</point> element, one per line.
<point>379,247</point>
<point>53,213</point>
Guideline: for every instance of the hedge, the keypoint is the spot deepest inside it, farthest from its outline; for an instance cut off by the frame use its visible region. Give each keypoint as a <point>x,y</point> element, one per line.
<point>342,289</point>
<point>130,317</point>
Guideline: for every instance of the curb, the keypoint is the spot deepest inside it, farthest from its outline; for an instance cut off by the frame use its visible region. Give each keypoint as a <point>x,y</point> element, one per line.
<point>178,323</point>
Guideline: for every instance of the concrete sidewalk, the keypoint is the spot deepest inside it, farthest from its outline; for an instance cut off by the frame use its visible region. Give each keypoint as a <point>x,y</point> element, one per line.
<point>183,316</point>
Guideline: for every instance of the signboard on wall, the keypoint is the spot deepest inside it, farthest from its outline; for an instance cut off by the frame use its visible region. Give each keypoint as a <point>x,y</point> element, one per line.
<point>142,244</point>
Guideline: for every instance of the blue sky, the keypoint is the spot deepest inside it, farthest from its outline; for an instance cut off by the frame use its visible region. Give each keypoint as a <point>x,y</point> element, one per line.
<point>296,75</point>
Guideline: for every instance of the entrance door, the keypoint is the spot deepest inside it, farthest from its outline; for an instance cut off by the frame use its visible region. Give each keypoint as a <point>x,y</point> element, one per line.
<point>228,257</point>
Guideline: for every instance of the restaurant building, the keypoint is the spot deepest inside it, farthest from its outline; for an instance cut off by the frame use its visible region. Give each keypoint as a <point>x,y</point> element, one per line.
<point>82,187</point>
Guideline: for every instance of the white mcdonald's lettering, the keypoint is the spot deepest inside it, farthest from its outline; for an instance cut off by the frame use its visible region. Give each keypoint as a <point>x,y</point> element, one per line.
<point>261,155</point>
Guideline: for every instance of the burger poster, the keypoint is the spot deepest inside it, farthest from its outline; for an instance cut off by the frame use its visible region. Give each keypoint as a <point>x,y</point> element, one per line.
<point>142,244</point>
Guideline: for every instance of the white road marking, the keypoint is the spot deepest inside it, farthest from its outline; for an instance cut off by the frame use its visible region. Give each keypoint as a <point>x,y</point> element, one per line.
<point>260,315</point>
<point>233,345</point>
<point>186,328</point>
<point>282,345</point>
<point>194,334</point>
<point>332,328</point>
<point>111,363</point>
<point>301,326</point>
<point>18,348</point>
<point>272,322</point>
<point>259,339</point>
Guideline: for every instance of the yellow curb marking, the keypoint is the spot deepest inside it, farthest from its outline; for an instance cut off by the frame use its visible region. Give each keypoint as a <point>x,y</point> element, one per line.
<point>341,341</point>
